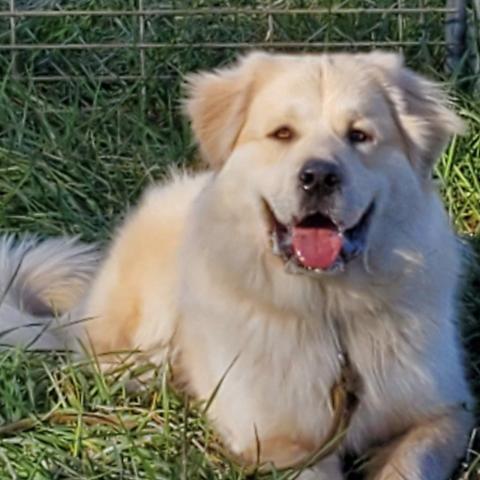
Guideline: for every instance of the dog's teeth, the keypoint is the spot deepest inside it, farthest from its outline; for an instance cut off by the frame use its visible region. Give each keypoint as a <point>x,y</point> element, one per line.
<point>299,255</point>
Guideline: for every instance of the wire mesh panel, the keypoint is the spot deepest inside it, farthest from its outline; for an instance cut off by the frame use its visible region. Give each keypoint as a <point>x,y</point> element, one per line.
<point>136,39</point>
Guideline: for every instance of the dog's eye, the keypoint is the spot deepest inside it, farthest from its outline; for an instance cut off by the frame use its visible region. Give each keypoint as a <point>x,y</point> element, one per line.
<point>356,135</point>
<point>283,133</point>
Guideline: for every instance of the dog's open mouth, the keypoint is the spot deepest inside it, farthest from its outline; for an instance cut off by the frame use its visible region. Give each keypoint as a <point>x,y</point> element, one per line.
<point>316,243</point>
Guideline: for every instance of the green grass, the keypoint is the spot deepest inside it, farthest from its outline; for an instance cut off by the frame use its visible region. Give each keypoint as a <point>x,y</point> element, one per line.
<point>74,156</point>
<point>66,420</point>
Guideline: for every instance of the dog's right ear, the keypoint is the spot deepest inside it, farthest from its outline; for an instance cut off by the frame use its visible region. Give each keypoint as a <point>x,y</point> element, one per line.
<point>217,104</point>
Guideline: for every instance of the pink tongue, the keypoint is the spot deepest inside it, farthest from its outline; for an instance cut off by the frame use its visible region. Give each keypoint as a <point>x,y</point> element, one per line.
<point>316,247</point>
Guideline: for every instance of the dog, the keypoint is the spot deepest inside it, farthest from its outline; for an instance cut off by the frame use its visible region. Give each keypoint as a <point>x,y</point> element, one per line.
<point>314,245</point>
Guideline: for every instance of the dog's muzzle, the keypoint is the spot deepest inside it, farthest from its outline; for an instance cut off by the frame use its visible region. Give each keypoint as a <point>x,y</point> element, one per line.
<point>316,243</point>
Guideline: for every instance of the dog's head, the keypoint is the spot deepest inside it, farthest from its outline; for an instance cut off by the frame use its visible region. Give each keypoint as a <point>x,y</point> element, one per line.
<point>324,144</point>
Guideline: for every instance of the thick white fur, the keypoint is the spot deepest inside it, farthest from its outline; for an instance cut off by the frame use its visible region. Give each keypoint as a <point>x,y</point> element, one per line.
<point>40,281</point>
<point>191,273</point>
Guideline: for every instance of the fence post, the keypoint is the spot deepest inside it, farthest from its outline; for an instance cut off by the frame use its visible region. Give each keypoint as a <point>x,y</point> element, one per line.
<point>13,38</point>
<point>455,35</point>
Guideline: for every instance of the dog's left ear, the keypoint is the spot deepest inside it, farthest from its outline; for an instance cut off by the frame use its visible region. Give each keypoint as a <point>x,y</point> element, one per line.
<point>217,104</point>
<point>421,108</point>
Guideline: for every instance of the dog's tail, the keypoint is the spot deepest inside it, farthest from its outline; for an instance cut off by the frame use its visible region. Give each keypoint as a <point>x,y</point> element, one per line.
<point>40,281</point>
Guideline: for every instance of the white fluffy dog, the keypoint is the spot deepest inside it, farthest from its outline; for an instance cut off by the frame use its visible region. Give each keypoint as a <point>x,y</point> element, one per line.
<point>316,244</point>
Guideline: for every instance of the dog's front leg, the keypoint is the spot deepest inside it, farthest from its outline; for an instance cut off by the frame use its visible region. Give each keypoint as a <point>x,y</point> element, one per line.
<point>428,451</point>
<point>328,469</point>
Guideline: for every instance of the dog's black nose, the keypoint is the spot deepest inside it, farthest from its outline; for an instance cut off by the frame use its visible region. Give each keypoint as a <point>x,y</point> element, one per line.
<point>320,176</point>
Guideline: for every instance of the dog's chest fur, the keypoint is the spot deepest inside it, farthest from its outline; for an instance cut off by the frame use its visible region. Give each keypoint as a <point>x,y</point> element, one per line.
<point>277,368</point>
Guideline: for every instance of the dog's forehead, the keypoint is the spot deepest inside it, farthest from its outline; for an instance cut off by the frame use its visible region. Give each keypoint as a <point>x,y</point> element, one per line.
<point>327,71</point>
<point>314,84</point>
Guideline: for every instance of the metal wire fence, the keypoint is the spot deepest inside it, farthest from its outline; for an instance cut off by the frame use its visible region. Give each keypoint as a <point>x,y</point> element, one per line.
<point>130,40</point>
